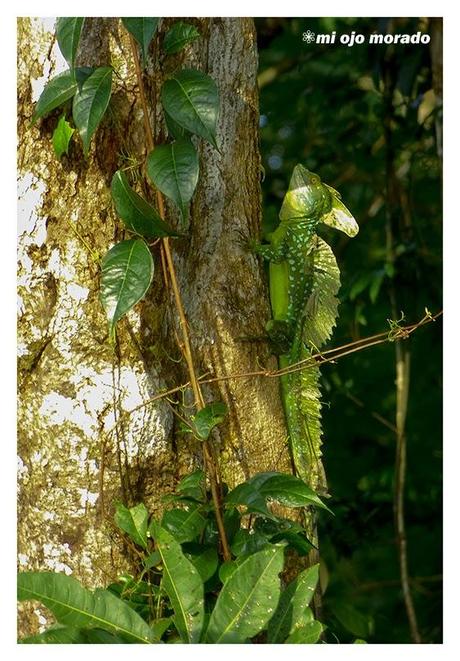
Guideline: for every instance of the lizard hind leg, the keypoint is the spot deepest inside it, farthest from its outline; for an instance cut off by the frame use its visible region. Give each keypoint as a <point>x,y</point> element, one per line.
<point>280,335</point>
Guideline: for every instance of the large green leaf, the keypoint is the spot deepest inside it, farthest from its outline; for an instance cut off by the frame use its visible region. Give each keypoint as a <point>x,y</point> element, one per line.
<point>138,215</point>
<point>68,32</point>
<point>285,489</point>
<point>306,635</point>
<point>73,605</point>
<point>183,585</point>
<point>179,36</point>
<point>174,170</point>
<point>60,89</point>
<point>127,271</point>
<point>248,598</point>
<point>57,91</point>
<point>142,30</point>
<point>204,558</point>
<point>62,136</point>
<point>184,524</point>
<point>70,635</point>
<point>191,98</point>
<point>192,485</point>
<point>209,417</point>
<point>277,529</point>
<point>175,131</point>
<point>293,612</point>
<point>134,522</point>
<point>90,103</point>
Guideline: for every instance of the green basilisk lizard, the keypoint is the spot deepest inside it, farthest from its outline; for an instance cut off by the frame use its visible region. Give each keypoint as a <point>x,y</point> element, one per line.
<point>304,280</point>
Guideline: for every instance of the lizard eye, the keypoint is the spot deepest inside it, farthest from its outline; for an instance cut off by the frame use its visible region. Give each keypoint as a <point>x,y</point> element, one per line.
<point>315,180</point>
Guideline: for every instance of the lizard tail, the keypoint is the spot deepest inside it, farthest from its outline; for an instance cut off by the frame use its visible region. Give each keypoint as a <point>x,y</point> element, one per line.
<point>302,405</point>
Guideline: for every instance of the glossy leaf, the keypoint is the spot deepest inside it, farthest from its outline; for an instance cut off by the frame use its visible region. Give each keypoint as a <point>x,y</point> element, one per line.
<point>161,625</point>
<point>137,214</point>
<point>247,599</point>
<point>68,31</point>
<point>152,560</point>
<point>134,522</point>
<point>285,489</point>
<point>174,170</point>
<point>142,30</point>
<point>179,36</point>
<point>293,612</point>
<point>184,525</point>
<point>62,135</point>
<point>73,605</point>
<point>127,271</point>
<point>208,418</point>
<point>192,485</point>
<point>246,542</point>
<point>90,103</point>
<point>191,98</point>
<point>204,558</point>
<point>175,131</point>
<point>306,635</point>
<point>183,585</point>
<point>57,91</point>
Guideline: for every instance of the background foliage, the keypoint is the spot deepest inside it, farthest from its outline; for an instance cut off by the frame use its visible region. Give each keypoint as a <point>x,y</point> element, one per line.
<point>326,107</point>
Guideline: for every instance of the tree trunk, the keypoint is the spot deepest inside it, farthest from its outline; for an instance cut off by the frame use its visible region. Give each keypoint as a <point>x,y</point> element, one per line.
<point>80,448</point>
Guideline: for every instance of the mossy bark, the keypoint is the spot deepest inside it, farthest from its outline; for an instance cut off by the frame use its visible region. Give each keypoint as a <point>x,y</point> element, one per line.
<point>80,447</point>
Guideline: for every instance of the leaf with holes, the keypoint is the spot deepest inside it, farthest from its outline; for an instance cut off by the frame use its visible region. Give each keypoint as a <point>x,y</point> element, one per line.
<point>183,585</point>
<point>90,103</point>
<point>174,170</point>
<point>248,598</point>
<point>191,98</point>
<point>68,31</point>
<point>137,214</point>
<point>134,522</point>
<point>127,271</point>
<point>72,605</point>
<point>142,30</point>
<point>62,135</point>
<point>179,36</point>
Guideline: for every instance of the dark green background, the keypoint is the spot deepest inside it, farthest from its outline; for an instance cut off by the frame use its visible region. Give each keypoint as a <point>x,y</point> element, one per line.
<point>326,106</point>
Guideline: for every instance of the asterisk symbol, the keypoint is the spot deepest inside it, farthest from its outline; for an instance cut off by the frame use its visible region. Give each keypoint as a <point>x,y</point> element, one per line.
<point>308,36</point>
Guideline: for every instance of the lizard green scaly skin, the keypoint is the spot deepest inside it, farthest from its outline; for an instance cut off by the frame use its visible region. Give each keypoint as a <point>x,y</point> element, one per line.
<point>304,280</point>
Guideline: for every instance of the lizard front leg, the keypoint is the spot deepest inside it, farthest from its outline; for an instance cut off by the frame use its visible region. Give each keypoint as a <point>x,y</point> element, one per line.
<point>275,254</point>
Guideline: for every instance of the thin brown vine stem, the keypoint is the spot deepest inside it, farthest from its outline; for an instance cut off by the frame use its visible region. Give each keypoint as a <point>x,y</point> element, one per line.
<point>400,334</point>
<point>402,353</point>
<point>276,373</point>
<point>186,347</point>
